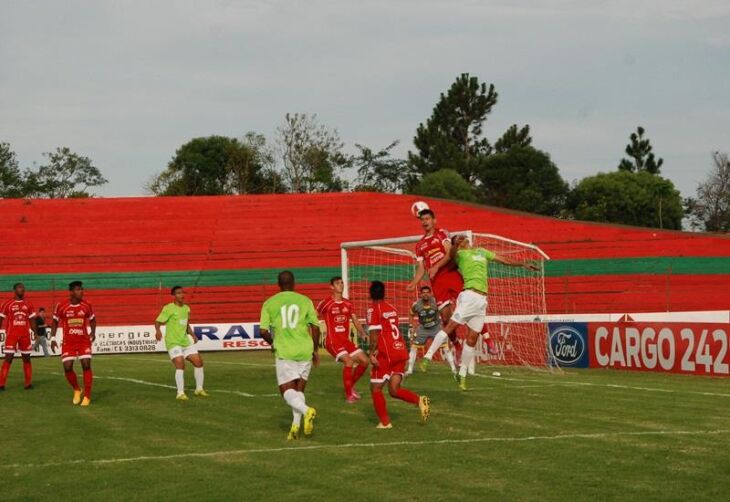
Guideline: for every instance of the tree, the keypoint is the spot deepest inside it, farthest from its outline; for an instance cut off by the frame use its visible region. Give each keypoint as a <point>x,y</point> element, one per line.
<point>379,171</point>
<point>513,138</point>
<point>641,156</point>
<point>452,136</point>
<point>65,175</point>
<point>631,198</point>
<point>311,154</point>
<point>12,182</point>
<point>219,165</point>
<point>445,184</point>
<point>523,178</point>
<point>711,208</point>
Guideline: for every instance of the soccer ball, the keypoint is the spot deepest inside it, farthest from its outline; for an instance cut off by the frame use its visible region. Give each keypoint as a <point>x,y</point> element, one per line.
<point>417,207</point>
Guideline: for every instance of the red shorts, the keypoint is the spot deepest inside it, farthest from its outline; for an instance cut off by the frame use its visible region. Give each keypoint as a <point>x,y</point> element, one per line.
<point>76,347</point>
<point>386,369</point>
<point>339,347</point>
<point>446,287</point>
<point>17,343</point>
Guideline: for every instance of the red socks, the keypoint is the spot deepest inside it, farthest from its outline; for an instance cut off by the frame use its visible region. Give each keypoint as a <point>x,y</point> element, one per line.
<point>406,395</point>
<point>4,373</point>
<point>28,372</point>
<point>347,379</point>
<point>380,407</point>
<point>72,380</point>
<point>88,379</point>
<point>358,372</point>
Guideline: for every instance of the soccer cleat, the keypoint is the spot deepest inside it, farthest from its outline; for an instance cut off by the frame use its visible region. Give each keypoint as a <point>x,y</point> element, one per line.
<point>182,397</point>
<point>77,397</point>
<point>424,404</point>
<point>29,387</point>
<point>381,425</point>
<point>423,365</point>
<point>356,395</point>
<point>350,399</point>
<point>309,417</point>
<point>462,383</point>
<point>201,393</point>
<point>293,433</point>
<point>86,401</point>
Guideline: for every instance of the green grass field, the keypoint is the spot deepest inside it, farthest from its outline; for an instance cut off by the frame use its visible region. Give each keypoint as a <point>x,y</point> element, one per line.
<point>577,435</point>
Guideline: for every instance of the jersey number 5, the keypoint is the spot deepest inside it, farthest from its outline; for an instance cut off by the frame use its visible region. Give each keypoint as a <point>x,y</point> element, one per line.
<point>394,326</point>
<point>289,316</point>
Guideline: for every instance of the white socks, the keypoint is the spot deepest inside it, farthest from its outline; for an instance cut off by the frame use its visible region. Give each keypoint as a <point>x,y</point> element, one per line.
<point>438,341</point>
<point>412,359</point>
<point>199,377</point>
<point>467,356</point>
<point>180,381</point>
<point>296,400</point>
<point>449,356</point>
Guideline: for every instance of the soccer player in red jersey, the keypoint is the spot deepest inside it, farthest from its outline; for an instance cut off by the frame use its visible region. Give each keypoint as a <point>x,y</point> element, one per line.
<point>77,319</point>
<point>388,356</point>
<point>337,312</point>
<point>17,315</point>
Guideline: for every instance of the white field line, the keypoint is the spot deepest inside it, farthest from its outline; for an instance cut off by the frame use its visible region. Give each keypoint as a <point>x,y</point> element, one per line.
<point>507,439</point>
<point>609,385</point>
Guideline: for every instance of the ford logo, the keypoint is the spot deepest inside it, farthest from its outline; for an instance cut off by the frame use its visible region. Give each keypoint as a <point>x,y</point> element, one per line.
<point>567,345</point>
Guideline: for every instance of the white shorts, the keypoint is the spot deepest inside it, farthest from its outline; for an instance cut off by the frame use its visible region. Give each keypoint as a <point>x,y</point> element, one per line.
<point>471,309</point>
<point>288,371</point>
<point>178,351</point>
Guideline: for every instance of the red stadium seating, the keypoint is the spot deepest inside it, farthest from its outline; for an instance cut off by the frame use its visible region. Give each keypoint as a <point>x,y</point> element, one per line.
<point>226,250</point>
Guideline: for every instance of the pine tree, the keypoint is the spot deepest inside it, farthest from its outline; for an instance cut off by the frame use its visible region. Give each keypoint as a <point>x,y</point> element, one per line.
<point>641,155</point>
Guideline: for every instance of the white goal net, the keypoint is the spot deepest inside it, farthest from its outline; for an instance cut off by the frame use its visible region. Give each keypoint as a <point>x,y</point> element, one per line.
<point>516,294</point>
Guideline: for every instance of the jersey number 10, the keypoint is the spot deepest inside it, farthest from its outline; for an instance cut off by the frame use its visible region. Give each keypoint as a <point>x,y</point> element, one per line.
<point>289,316</point>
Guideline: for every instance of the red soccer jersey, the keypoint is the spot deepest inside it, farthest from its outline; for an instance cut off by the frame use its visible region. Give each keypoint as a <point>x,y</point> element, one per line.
<point>74,320</point>
<point>384,317</point>
<point>430,250</point>
<point>17,315</point>
<point>336,315</point>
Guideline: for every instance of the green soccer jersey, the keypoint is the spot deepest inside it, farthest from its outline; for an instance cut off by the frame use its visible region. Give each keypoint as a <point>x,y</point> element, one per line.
<point>175,319</point>
<point>288,315</point>
<point>473,265</point>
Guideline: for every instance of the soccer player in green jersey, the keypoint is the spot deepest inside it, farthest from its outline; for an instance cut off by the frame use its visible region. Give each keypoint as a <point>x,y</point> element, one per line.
<point>180,342</point>
<point>471,304</point>
<point>289,323</point>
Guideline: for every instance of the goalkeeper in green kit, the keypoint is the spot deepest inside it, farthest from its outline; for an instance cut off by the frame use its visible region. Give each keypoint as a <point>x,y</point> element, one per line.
<point>290,324</point>
<point>471,304</point>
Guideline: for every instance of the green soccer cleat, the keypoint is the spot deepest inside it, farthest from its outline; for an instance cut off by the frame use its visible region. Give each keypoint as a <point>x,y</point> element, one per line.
<point>424,404</point>
<point>423,365</point>
<point>293,433</point>
<point>309,417</point>
<point>462,382</point>
<point>181,397</point>
<point>201,393</point>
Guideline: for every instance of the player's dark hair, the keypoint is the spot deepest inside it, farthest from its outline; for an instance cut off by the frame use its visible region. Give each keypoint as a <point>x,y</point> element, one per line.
<point>425,288</point>
<point>426,212</point>
<point>335,279</point>
<point>15,286</point>
<point>377,290</point>
<point>42,309</point>
<point>75,284</point>
<point>286,280</point>
<point>174,290</point>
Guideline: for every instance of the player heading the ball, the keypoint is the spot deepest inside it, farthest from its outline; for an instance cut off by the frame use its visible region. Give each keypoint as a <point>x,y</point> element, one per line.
<point>289,324</point>
<point>180,342</point>
<point>337,313</point>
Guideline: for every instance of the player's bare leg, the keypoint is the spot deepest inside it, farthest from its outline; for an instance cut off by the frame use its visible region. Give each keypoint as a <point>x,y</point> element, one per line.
<point>293,394</point>
<point>88,380</point>
<point>199,373</point>
<point>27,372</point>
<point>70,374</point>
<point>398,392</point>
<point>5,369</point>
<point>179,364</point>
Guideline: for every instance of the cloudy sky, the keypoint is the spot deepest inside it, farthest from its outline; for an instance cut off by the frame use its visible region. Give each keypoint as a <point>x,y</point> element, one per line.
<point>127,82</point>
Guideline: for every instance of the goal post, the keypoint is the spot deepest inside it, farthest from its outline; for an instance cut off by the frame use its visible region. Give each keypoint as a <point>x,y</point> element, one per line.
<point>516,295</point>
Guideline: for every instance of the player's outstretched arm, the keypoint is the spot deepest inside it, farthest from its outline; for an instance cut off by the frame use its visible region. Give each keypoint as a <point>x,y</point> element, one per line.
<point>514,263</point>
<point>420,272</point>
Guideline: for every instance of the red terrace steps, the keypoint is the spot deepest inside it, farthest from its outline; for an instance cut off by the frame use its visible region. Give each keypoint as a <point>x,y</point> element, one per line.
<point>278,231</point>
